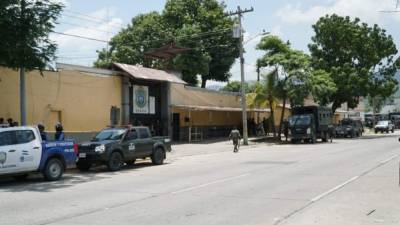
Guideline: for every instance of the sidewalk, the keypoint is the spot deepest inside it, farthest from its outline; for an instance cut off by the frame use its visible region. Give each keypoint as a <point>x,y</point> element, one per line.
<point>214,146</point>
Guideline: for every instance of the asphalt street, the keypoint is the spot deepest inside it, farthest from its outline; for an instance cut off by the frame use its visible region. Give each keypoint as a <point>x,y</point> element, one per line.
<point>344,182</point>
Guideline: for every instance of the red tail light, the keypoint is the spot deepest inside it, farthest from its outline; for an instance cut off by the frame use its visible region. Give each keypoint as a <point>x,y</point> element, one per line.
<point>76,148</point>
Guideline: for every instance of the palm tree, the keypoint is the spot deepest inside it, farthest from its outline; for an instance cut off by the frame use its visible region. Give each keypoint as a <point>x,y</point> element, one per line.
<point>266,95</point>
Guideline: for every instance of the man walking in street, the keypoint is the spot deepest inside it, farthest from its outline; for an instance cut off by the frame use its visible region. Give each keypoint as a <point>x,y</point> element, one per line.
<point>235,136</point>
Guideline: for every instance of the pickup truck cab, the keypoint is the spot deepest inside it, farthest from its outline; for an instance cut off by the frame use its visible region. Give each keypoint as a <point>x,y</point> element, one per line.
<point>115,146</point>
<point>22,151</point>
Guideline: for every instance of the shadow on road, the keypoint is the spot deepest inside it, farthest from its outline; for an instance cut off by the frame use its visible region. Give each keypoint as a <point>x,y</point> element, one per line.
<point>36,182</point>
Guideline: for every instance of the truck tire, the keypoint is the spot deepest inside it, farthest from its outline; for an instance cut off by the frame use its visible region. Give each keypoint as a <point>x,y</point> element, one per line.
<point>53,170</point>
<point>158,156</point>
<point>131,162</point>
<point>313,139</point>
<point>115,162</point>
<point>325,137</point>
<point>83,166</point>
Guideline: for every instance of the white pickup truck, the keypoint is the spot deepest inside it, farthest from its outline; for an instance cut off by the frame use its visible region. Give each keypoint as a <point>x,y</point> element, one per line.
<point>22,151</point>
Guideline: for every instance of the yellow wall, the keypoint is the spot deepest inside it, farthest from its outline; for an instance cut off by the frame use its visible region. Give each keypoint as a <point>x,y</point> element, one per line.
<point>209,118</point>
<point>185,96</point>
<point>181,95</point>
<point>83,100</point>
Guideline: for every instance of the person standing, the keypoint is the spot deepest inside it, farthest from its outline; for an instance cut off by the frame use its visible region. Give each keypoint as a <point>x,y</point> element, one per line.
<point>59,135</point>
<point>10,122</point>
<point>42,132</point>
<point>286,128</point>
<point>235,137</point>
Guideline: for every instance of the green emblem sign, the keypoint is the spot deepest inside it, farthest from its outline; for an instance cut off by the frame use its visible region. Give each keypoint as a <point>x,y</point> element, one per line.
<point>141,99</point>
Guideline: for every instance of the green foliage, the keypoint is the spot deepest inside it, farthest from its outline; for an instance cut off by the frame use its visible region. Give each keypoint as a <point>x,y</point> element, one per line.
<point>146,31</point>
<point>24,28</point>
<point>201,26</point>
<point>296,79</point>
<point>359,58</point>
<point>266,94</point>
<point>235,86</point>
<point>321,87</point>
<point>292,65</point>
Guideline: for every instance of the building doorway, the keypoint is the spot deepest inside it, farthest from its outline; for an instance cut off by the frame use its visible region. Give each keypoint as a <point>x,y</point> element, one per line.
<point>176,126</point>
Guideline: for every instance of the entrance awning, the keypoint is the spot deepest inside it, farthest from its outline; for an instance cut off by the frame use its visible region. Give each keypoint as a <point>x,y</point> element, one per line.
<point>217,108</point>
<point>144,73</point>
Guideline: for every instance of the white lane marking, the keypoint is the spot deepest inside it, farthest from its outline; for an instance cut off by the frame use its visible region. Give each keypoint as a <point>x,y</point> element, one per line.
<point>210,183</point>
<point>352,179</point>
<point>387,160</point>
<point>334,189</point>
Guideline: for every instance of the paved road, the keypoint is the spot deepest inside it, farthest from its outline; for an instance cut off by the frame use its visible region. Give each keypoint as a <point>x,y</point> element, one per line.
<point>346,182</point>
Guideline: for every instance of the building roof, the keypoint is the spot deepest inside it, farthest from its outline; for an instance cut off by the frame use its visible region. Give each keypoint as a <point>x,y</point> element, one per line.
<point>166,52</point>
<point>64,66</point>
<point>217,108</point>
<point>143,73</point>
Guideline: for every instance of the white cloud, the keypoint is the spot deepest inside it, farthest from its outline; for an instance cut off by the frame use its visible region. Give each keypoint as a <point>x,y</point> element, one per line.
<point>101,25</point>
<point>366,10</point>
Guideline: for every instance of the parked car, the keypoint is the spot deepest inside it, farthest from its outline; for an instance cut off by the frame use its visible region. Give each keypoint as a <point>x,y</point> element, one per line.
<point>384,126</point>
<point>115,146</point>
<point>22,151</point>
<point>349,128</point>
<point>309,123</point>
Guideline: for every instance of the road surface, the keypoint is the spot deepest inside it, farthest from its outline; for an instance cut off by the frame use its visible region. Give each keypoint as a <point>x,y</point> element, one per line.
<point>344,182</point>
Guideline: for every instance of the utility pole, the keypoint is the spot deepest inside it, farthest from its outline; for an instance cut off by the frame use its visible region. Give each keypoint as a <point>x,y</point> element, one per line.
<point>240,13</point>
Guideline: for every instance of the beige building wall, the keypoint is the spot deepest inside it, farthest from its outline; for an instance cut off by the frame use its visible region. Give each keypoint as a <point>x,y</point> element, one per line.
<point>81,101</point>
<point>208,118</point>
<point>181,95</point>
<point>187,96</point>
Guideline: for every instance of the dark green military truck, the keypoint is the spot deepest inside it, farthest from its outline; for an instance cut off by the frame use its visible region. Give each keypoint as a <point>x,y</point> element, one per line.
<point>115,146</point>
<point>310,123</point>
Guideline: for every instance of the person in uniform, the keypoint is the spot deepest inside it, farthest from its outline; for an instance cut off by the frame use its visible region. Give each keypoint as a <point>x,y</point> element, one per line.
<point>235,137</point>
<point>286,128</point>
<point>59,135</point>
<point>42,132</point>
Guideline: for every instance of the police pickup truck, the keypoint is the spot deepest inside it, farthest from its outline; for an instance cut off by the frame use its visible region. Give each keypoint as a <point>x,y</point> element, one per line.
<point>115,146</point>
<point>22,152</point>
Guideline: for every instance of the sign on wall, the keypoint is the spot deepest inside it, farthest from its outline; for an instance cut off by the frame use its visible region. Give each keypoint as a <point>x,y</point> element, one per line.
<point>140,99</point>
<point>152,102</point>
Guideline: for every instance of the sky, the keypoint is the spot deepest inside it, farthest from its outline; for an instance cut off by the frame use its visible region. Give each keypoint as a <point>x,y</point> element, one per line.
<point>289,19</point>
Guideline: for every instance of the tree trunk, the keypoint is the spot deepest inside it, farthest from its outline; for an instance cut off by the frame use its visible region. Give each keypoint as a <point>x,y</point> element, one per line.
<point>22,95</point>
<point>203,82</point>
<point>272,118</point>
<point>282,116</point>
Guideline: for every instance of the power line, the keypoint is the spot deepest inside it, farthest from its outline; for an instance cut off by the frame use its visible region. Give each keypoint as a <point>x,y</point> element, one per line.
<point>86,27</point>
<point>85,15</point>
<point>79,36</point>
<point>92,21</point>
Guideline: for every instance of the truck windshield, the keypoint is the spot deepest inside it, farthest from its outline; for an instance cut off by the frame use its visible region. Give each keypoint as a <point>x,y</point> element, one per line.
<point>300,120</point>
<point>110,134</point>
<point>346,122</point>
<point>383,123</point>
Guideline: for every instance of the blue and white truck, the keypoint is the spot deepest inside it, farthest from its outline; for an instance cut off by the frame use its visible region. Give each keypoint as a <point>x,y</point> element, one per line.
<point>22,152</point>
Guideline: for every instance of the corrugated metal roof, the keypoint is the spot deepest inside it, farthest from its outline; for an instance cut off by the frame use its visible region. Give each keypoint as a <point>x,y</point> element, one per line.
<point>217,108</point>
<point>144,73</point>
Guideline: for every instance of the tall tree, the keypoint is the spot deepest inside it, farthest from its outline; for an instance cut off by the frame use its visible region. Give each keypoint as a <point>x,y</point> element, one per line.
<point>292,67</point>
<point>25,26</point>
<point>359,58</point>
<point>146,31</point>
<point>201,26</point>
<point>266,94</point>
